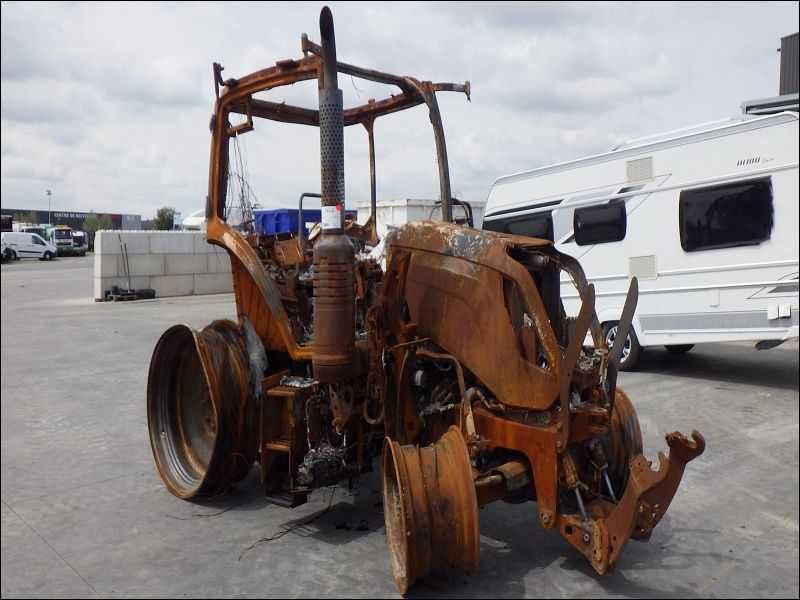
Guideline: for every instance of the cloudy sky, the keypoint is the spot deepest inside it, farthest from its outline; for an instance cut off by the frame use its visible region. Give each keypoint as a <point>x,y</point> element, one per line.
<point>108,104</point>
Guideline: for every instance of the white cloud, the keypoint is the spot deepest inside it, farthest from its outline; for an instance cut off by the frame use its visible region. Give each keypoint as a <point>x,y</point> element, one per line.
<point>108,104</point>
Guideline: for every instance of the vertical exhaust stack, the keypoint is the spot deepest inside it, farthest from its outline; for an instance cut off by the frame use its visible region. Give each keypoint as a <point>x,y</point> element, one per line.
<point>334,255</point>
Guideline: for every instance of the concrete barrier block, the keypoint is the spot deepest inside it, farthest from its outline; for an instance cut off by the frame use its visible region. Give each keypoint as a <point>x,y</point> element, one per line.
<point>172,263</point>
<point>101,284</point>
<point>212,283</point>
<point>218,262</point>
<point>142,264</point>
<point>106,265</point>
<point>138,283</point>
<point>98,288</point>
<point>218,251</point>
<point>185,264</point>
<point>173,285</point>
<point>137,242</point>
<point>171,242</point>
<point>201,245</point>
<point>106,242</point>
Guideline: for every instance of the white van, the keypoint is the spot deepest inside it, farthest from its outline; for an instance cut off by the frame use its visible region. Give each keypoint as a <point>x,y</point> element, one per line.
<point>705,217</point>
<point>28,245</point>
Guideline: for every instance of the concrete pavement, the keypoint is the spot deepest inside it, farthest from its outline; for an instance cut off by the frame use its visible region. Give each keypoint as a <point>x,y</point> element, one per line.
<point>84,512</point>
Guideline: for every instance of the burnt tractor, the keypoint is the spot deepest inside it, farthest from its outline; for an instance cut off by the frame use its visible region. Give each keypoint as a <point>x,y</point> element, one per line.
<point>455,362</point>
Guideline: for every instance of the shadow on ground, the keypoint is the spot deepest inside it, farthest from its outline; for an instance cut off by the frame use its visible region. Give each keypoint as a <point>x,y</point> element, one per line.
<point>776,368</point>
<point>517,555</point>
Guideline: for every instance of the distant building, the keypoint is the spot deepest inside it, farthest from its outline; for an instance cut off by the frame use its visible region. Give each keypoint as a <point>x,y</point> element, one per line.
<point>75,219</point>
<point>130,222</point>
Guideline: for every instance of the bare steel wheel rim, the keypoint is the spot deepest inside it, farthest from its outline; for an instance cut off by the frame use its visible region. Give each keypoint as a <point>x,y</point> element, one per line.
<point>395,516</point>
<point>430,508</point>
<point>199,409</point>
<point>623,442</point>
<point>626,349</point>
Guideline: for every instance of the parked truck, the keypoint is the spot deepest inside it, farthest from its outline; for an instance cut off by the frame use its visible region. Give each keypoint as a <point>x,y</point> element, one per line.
<point>80,243</point>
<point>61,237</point>
<point>64,239</point>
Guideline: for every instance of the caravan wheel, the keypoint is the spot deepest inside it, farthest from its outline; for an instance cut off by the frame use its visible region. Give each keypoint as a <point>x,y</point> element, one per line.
<point>631,351</point>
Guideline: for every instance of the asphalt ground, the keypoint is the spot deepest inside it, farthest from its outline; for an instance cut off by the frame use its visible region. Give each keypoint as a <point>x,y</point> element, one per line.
<point>84,513</point>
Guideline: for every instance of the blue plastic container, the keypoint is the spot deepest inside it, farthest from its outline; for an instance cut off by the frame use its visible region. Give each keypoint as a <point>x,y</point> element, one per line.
<point>284,220</point>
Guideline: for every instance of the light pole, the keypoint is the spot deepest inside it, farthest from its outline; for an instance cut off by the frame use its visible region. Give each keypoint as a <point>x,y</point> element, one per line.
<point>49,209</point>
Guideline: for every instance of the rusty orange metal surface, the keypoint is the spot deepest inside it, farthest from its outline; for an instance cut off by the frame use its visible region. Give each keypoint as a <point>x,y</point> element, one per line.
<point>445,288</point>
<point>431,508</point>
<point>454,366</point>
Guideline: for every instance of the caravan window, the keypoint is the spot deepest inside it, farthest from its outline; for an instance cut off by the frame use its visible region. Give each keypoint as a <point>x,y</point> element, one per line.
<point>565,218</point>
<point>600,224</point>
<point>538,225</point>
<point>724,216</point>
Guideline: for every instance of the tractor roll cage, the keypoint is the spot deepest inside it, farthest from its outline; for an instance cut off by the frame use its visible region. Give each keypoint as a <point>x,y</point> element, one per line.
<point>236,97</point>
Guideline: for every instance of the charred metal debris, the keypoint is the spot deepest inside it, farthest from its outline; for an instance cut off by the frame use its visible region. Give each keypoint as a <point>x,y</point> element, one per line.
<point>455,363</point>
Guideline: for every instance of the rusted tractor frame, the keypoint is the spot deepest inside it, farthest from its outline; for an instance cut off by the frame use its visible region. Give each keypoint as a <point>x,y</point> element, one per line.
<point>455,362</point>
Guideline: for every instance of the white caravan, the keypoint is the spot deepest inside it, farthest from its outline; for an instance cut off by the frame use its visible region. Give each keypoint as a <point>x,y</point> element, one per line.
<point>705,217</point>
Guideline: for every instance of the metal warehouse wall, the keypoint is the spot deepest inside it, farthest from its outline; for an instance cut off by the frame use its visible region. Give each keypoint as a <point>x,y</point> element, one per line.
<point>75,219</point>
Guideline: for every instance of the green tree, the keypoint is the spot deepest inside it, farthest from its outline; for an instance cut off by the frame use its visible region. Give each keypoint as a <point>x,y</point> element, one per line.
<point>93,223</point>
<point>165,217</point>
<point>105,222</point>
